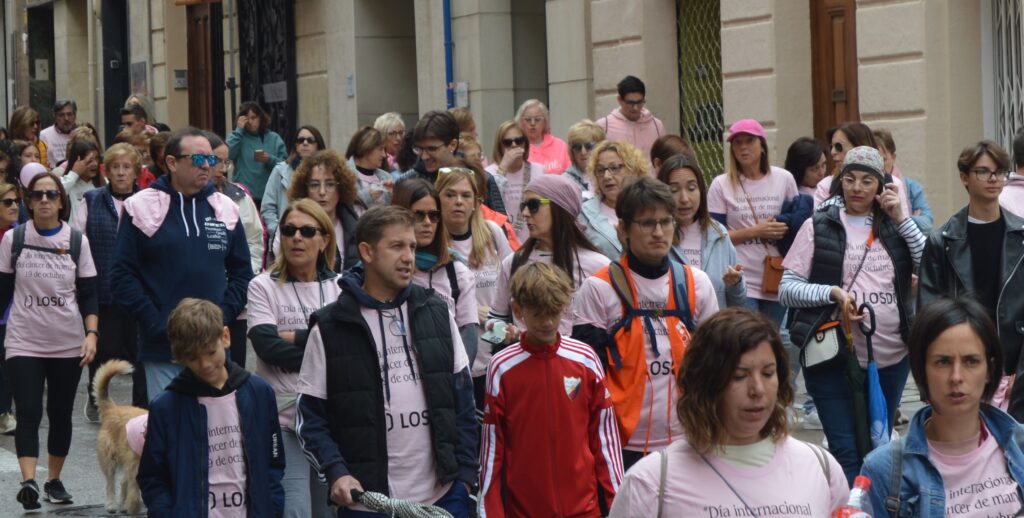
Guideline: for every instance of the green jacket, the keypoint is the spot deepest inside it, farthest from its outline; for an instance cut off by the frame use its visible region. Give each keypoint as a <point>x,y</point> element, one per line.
<point>248,172</point>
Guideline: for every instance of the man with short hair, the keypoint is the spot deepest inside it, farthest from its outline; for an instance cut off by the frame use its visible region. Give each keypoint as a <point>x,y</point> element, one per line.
<point>632,122</point>
<point>385,398</point>
<point>179,238</point>
<point>135,119</point>
<point>56,137</point>
<point>978,253</point>
<point>1012,197</point>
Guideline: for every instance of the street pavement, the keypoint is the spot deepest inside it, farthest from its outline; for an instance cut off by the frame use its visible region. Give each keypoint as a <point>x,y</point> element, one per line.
<point>84,480</point>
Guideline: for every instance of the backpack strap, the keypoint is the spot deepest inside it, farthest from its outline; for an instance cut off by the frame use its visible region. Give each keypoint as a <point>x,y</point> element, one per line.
<point>17,245</point>
<point>822,457</point>
<point>685,294</point>
<point>892,502</point>
<point>453,281</point>
<point>661,482</point>
<point>74,249</point>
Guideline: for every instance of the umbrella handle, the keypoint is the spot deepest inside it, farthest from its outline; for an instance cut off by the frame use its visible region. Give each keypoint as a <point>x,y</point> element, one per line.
<point>867,328</point>
<point>357,495</point>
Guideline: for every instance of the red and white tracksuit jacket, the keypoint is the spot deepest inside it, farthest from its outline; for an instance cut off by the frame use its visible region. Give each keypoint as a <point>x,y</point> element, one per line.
<point>549,435</point>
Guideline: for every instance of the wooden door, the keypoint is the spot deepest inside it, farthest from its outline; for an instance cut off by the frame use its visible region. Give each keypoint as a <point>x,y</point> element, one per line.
<point>834,63</point>
<point>200,61</point>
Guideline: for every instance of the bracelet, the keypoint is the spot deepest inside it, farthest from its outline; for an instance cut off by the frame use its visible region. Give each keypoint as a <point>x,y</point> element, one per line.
<point>92,331</point>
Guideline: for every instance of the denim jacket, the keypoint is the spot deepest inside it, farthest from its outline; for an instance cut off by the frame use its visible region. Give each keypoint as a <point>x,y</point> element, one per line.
<point>925,221</point>
<point>717,253</point>
<point>600,231</point>
<point>921,491</point>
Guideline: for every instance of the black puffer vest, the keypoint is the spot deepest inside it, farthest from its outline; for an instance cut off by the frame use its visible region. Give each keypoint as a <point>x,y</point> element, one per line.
<point>355,396</point>
<point>827,268</point>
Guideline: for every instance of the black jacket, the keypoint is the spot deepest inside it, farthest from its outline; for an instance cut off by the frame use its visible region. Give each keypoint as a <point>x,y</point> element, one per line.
<point>946,271</point>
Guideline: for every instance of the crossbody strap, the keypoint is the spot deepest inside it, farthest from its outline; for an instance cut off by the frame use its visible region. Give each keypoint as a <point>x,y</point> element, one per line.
<point>753,213</point>
<point>892,502</point>
<point>750,512</point>
<point>661,482</point>
<point>822,460</point>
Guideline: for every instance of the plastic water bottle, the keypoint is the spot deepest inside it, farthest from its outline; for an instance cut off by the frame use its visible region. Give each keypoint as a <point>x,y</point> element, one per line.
<point>854,507</point>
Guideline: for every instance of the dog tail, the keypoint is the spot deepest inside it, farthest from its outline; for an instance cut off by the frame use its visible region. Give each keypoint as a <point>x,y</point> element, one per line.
<point>104,374</point>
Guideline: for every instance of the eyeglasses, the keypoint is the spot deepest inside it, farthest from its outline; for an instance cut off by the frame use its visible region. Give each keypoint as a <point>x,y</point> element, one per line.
<point>9,202</point>
<point>533,120</point>
<point>576,148</point>
<point>50,194</point>
<point>306,231</point>
<point>837,147</point>
<point>533,204</point>
<point>635,104</point>
<point>615,169</point>
<point>509,142</point>
<point>433,216</point>
<point>305,140</point>
<point>648,225</point>
<point>431,150</point>
<point>984,173</point>
<point>317,186</point>
<point>200,160</point>
<point>865,182</point>
<point>395,134</point>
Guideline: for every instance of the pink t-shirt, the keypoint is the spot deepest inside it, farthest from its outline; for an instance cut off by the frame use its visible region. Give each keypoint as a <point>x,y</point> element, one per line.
<point>288,307</point>
<point>1012,197</point>
<point>227,475</point>
<point>411,467</point>
<point>585,263</point>
<point>135,432</point>
<point>465,310</point>
<point>512,190</point>
<point>552,153</point>
<point>45,321</point>
<point>486,285</point>
<point>767,196</point>
<point>691,243</point>
<point>977,483</point>
<point>875,284</point>
<point>792,484</point>
<point>598,305</point>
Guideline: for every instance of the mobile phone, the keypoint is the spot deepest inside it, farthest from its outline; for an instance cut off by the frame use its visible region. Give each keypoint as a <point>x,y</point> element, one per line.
<point>496,335</point>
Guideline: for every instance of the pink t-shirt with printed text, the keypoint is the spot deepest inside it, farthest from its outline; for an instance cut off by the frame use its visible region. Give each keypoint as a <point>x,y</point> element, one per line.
<point>226,473</point>
<point>286,306</point>
<point>45,321</point>
<point>585,263</point>
<point>792,484</point>
<point>411,467</point>
<point>692,243</point>
<point>875,284</point>
<point>598,305</point>
<point>977,483</point>
<point>464,310</point>
<point>767,196</point>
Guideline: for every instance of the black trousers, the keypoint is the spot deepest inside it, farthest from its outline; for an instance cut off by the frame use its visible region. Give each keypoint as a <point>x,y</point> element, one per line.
<point>119,339</point>
<point>238,329</point>
<point>29,377</point>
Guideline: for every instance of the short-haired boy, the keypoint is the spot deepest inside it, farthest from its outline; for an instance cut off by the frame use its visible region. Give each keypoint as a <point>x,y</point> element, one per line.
<point>550,443</point>
<point>204,455</point>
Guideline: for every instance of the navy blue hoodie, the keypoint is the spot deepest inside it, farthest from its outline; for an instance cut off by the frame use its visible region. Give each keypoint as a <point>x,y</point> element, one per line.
<point>171,246</point>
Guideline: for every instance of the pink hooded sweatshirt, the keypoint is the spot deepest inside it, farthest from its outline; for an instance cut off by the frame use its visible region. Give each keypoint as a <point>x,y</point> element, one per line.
<point>641,133</point>
<point>1012,197</point>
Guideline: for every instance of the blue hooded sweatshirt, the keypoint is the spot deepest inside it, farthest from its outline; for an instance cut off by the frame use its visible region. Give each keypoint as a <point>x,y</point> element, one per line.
<point>171,246</point>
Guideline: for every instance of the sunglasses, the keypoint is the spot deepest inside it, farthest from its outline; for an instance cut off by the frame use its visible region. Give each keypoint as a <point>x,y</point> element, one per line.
<point>509,142</point>
<point>50,194</point>
<point>306,231</point>
<point>9,202</point>
<point>305,140</point>
<point>200,160</point>
<point>576,148</point>
<point>421,215</point>
<point>533,204</point>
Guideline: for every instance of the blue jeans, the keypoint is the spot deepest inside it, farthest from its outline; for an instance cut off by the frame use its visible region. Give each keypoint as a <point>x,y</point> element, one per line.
<point>834,399</point>
<point>456,501</point>
<point>158,376</point>
<point>304,495</point>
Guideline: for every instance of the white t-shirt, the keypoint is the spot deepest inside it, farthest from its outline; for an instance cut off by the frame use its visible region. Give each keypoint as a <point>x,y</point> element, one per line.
<point>767,196</point>
<point>227,474</point>
<point>875,284</point>
<point>465,310</point>
<point>288,307</point>
<point>597,304</point>
<point>977,483</point>
<point>585,263</point>
<point>45,321</point>
<point>792,484</point>
<point>411,467</point>
<point>692,243</point>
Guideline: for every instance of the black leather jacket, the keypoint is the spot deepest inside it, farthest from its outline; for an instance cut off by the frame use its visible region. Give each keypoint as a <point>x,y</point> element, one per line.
<point>946,272</point>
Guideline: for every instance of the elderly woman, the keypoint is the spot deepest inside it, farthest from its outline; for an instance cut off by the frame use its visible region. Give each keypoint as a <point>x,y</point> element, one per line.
<point>281,300</point>
<point>25,126</point>
<point>307,141</point>
<point>583,136</point>
<point>393,128</point>
<point>549,151</point>
<point>513,170</point>
<point>737,457</point>
<point>960,456</point>
<point>612,164</point>
<point>863,248</point>
<point>98,216</point>
<point>365,155</point>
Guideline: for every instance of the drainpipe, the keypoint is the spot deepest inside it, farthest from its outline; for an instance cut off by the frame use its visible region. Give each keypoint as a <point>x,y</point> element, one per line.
<point>449,74</point>
<point>94,102</point>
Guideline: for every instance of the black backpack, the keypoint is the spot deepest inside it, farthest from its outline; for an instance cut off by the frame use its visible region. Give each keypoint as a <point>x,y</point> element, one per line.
<point>19,244</point>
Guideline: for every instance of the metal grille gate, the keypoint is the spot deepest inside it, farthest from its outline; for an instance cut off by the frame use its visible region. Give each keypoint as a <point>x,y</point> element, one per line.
<point>700,81</point>
<point>1008,67</point>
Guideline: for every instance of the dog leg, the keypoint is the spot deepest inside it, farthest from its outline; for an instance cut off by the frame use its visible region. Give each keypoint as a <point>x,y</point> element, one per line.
<point>109,469</point>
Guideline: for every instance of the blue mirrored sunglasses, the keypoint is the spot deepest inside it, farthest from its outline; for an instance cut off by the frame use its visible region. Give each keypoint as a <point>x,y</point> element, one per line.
<point>199,160</point>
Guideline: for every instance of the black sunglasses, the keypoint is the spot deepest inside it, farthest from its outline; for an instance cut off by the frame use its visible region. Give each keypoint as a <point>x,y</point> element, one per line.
<point>576,148</point>
<point>9,202</point>
<point>50,194</point>
<point>433,215</point>
<point>305,140</point>
<point>307,231</point>
<point>518,141</point>
<point>533,204</point>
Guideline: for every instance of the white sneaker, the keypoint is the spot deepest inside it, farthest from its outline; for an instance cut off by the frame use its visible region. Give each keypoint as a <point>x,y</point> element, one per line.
<point>7,423</point>
<point>812,421</point>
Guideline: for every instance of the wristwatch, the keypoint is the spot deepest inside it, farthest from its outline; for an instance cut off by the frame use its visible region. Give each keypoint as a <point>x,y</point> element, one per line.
<point>92,331</point>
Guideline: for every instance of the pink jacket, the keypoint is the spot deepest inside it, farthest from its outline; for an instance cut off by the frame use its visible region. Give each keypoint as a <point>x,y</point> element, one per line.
<point>641,133</point>
<point>552,153</point>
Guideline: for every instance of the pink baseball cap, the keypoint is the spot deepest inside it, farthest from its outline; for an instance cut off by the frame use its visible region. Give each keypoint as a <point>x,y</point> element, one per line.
<point>748,126</point>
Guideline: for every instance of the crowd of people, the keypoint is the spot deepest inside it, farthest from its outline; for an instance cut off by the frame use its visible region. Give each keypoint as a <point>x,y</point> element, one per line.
<point>582,327</point>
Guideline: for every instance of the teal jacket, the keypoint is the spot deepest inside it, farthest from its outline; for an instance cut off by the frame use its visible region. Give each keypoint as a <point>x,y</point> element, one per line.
<point>242,147</point>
